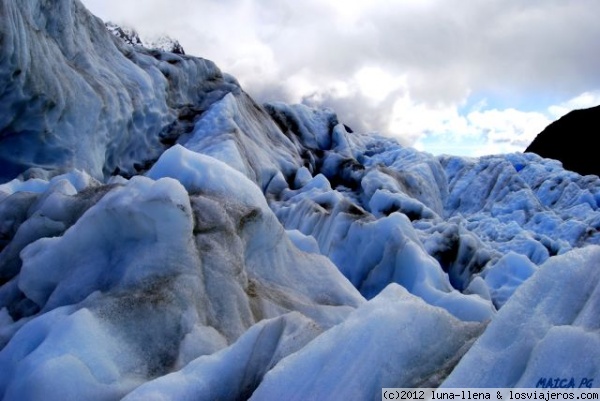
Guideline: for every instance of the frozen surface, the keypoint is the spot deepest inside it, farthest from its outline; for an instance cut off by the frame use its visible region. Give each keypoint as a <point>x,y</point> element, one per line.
<point>163,236</point>
<point>235,372</point>
<point>74,96</point>
<point>394,340</point>
<point>548,329</point>
<point>152,277</point>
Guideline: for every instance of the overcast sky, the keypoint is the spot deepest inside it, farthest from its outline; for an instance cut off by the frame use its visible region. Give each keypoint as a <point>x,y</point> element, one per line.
<point>466,77</point>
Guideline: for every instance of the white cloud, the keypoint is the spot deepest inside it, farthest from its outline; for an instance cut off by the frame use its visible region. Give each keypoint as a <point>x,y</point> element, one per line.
<point>508,125</point>
<point>412,120</point>
<point>583,101</point>
<point>482,131</point>
<point>377,83</point>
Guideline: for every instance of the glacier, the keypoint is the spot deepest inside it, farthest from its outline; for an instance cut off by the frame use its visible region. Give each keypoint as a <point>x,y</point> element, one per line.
<point>163,236</point>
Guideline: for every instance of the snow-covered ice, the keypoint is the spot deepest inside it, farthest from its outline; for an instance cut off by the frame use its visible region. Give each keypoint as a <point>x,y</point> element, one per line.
<point>235,372</point>
<point>547,329</point>
<point>74,96</point>
<point>163,236</point>
<point>158,276</point>
<point>394,340</point>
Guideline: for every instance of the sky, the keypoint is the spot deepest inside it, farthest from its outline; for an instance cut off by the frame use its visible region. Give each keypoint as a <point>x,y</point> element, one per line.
<point>463,77</point>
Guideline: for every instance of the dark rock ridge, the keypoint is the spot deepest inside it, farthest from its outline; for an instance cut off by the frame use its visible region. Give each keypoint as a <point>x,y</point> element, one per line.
<point>572,140</point>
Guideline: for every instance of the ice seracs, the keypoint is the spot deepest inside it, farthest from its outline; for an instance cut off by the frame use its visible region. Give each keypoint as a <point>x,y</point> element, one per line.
<point>131,37</point>
<point>548,328</point>
<point>234,372</point>
<point>159,276</point>
<point>74,96</point>
<point>394,340</point>
<point>164,236</point>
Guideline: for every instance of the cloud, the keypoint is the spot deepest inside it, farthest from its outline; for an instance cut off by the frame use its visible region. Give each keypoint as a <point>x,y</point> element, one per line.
<point>583,101</point>
<point>481,132</point>
<point>407,68</point>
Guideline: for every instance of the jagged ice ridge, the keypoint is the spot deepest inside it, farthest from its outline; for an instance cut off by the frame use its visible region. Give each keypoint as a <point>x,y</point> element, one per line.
<point>163,236</point>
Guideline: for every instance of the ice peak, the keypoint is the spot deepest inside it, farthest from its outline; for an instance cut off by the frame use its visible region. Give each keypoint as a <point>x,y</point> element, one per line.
<point>131,37</point>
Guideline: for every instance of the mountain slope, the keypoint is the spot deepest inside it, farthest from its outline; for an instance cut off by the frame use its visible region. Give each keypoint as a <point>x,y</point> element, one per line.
<point>572,140</point>
<point>189,243</point>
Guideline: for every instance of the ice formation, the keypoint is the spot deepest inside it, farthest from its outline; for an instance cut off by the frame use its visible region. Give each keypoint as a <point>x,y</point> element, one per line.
<point>163,236</point>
